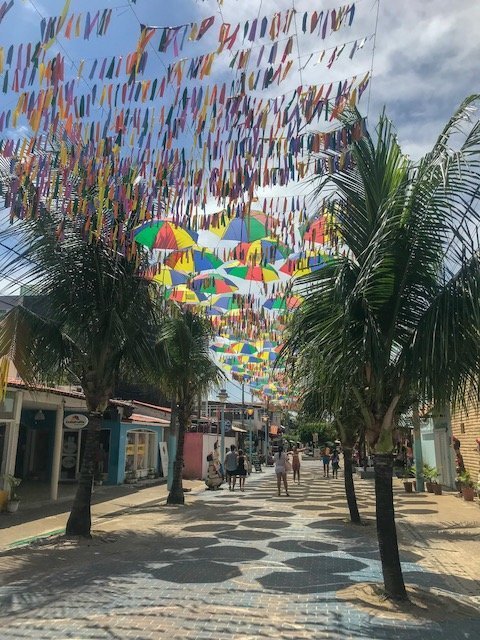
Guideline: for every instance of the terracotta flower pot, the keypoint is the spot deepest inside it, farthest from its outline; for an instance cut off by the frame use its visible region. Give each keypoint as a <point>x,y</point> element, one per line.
<point>408,487</point>
<point>429,486</point>
<point>468,493</point>
<point>437,489</point>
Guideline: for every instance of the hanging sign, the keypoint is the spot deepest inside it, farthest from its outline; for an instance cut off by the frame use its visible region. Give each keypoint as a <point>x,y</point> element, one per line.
<point>75,421</point>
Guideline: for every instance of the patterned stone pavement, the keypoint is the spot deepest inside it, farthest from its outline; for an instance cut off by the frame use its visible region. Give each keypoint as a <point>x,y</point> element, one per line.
<point>229,565</point>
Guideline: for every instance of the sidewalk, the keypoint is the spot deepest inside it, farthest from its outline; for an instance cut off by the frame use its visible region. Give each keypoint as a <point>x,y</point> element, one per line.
<point>49,518</point>
<point>245,566</point>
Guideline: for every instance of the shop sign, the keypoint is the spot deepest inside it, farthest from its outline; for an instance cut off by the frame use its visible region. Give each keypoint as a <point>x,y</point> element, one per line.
<point>75,421</point>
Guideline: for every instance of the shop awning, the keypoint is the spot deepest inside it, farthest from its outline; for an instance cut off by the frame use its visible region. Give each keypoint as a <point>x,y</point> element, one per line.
<point>239,429</point>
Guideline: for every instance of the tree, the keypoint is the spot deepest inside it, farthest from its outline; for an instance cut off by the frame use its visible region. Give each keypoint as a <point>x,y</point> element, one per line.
<point>189,371</point>
<point>398,310</point>
<point>346,424</point>
<point>95,316</point>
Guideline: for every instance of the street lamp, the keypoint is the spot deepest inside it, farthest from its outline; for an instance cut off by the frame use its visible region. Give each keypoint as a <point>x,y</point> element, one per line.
<point>223,397</point>
<point>266,420</point>
<point>250,412</point>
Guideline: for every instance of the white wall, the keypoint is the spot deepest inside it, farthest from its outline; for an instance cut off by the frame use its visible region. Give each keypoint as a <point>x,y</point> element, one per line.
<point>209,440</point>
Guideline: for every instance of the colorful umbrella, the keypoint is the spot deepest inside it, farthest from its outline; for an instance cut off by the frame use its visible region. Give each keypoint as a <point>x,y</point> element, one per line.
<point>225,302</point>
<point>242,347</point>
<point>299,264</point>
<point>319,230</point>
<point>212,283</point>
<point>270,356</point>
<point>184,295</point>
<point>168,277</point>
<point>278,304</point>
<point>247,229</point>
<point>193,260</point>
<point>257,273</point>
<point>283,304</point>
<point>218,348</point>
<point>263,345</point>
<point>264,250</point>
<point>164,234</point>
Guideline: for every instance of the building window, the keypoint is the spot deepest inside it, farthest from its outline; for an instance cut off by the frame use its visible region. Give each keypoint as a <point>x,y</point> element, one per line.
<point>140,451</point>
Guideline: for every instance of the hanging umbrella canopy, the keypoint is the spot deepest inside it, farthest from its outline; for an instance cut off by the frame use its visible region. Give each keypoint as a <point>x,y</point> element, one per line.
<point>299,264</point>
<point>212,283</point>
<point>319,230</point>
<point>247,229</point>
<point>168,277</point>
<point>242,347</point>
<point>282,303</point>
<point>269,356</point>
<point>193,260</point>
<point>164,234</point>
<point>184,295</point>
<point>219,348</point>
<point>230,358</point>
<point>261,251</point>
<point>257,273</point>
<point>263,345</point>
<point>225,302</point>
<point>277,304</point>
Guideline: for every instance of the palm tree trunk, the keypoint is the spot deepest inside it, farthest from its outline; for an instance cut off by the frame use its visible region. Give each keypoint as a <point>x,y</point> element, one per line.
<point>386,530</point>
<point>176,495</point>
<point>350,486</point>
<point>80,520</point>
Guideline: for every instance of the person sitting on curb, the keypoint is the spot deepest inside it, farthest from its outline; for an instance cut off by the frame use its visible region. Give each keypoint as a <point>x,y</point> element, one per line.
<point>213,479</point>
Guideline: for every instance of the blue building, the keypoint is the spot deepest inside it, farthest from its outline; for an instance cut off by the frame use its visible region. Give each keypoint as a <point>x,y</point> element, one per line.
<point>42,437</point>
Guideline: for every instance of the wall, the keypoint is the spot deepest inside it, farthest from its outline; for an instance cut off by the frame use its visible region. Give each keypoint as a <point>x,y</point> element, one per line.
<point>192,455</point>
<point>196,449</point>
<point>467,436</point>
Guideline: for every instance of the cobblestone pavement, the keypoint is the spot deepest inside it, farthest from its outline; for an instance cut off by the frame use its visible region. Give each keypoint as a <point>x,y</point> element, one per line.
<point>232,565</point>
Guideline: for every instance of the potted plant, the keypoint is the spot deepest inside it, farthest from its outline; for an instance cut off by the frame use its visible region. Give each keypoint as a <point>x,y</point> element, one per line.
<point>408,482</point>
<point>430,474</point>
<point>13,501</point>
<point>468,487</point>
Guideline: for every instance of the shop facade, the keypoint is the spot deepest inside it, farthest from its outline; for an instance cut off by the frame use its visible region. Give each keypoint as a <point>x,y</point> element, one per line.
<point>43,434</point>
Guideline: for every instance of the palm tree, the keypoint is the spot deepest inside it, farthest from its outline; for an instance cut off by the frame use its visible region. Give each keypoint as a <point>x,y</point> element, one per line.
<point>95,317</point>
<point>349,427</point>
<point>189,371</point>
<point>309,381</point>
<point>398,312</point>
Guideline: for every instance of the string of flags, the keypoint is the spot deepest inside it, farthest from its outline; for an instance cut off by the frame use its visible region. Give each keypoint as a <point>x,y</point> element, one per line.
<point>158,161</point>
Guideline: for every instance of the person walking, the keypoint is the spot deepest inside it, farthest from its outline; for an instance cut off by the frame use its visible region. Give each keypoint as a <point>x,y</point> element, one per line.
<point>326,463</point>
<point>280,461</point>
<point>335,463</point>
<point>231,467</point>
<point>296,463</point>
<point>241,470</point>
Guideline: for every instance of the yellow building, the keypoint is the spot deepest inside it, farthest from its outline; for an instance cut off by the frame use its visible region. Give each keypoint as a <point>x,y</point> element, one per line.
<point>466,428</point>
